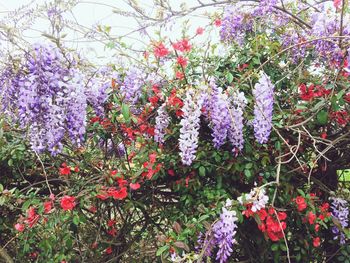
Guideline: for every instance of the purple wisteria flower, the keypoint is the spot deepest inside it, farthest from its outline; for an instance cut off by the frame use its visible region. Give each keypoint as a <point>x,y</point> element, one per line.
<point>47,98</point>
<point>224,232</point>
<point>97,95</point>
<point>162,122</point>
<point>190,123</point>
<point>340,211</point>
<point>263,94</point>
<point>219,115</point>
<point>131,87</point>
<point>238,103</point>
<point>234,25</point>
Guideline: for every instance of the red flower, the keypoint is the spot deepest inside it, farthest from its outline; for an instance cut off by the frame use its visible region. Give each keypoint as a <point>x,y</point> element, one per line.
<point>112,232</point>
<point>92,209</point>
<point>68,202</point>
<point>171,172</point>
<point>65,170</point>
<point>307,94</point>
<point>324,135</point>
<point>152,157</point>
<point>135,186</point>
<point>199,30</point>
<point>182,46</point>
<point>317,227</point>
<point>102,195</point>
<point>316,242</point>
<point>324,207</point>
<point>179,75</point>
<point>347,97</point>
<point>282,216</point>
<point>47,207</point>
<point>19,227</point>
<point>300,201</point>
<point>217,22</point>
<point>262,214</point>
<point>154,100</point>
<point>95,119</point>
<point>337,3</point>
<point>94,245</point>
<point>160,51</point>
<point>111,222</point>
<point>121,194</point>
<point>109,250</point>
<point>311,217</point>
<point>182,61</point>
<point>32,217</point>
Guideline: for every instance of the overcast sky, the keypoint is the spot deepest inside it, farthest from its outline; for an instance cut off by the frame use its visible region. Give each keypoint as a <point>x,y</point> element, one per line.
<point>90,13</point>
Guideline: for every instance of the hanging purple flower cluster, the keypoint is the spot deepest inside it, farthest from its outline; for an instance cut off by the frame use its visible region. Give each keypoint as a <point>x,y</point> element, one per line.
<point>219,115</point>
<point>162,122</point>
<point>234,25</point>
<point>325,25</point>
<point>48,98</point>
<point>97,89</point>
<point>188,141</point>
<point>263,94</point>
<point>132,85</point>
<point>221,235</point>
<point>238,103</point>
<point>340,211</point>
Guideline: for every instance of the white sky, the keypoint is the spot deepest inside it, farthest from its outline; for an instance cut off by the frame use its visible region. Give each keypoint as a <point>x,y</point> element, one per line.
<point>91,12</point>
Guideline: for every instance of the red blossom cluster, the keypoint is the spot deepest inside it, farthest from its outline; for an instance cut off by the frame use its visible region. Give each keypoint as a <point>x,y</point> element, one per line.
<point>160,50</point>
<point>341,117</point>
<point>313,91</point>
<point>182,45</point>
<point>313,216</point>
<point>175,103</point>
<point>151,166</point>
<point>270,222</point>
<point>66,170</point>
<point>68,202</point>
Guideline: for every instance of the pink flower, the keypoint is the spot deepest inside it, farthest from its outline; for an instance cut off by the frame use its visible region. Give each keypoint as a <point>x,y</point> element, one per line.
<point>19,227</point>
<point>160,51</point>
<point>182,45</point>
<point>199,30</point>
<point>109,250</point>
<point>337,3</point>
<point>316,242</point>
<point>47,207</point>
<point>217,22</point>
<point>135,186</point>
<point>68,202</point>
<point>182,61</point>
<point>179,75</point>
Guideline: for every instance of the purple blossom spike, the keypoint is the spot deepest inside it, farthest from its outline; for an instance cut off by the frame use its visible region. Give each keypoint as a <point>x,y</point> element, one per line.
<point>263,94</point>
<point>235,133</point>
<point>190,123</point>
<point>219,115</point>
<point>47,99</point>
<point>224,232</point>
<point>234,25</point>
<point>162,122</point>
<point>340,211</point>
<point>132,86</point>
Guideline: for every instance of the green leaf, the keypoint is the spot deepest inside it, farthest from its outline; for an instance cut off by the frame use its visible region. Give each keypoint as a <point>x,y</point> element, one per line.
<point>76,220</point>
<point>274,247</point>
<point>161,250</point>
<point>126,112</point>
<point>1,188</point>
<point>247,173</point>
<point>322,117</point>
<point>202,171</point>
<point>229,77</point>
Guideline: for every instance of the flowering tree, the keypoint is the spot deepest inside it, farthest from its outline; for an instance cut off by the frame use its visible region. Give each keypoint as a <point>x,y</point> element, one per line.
<point>224,145</point>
